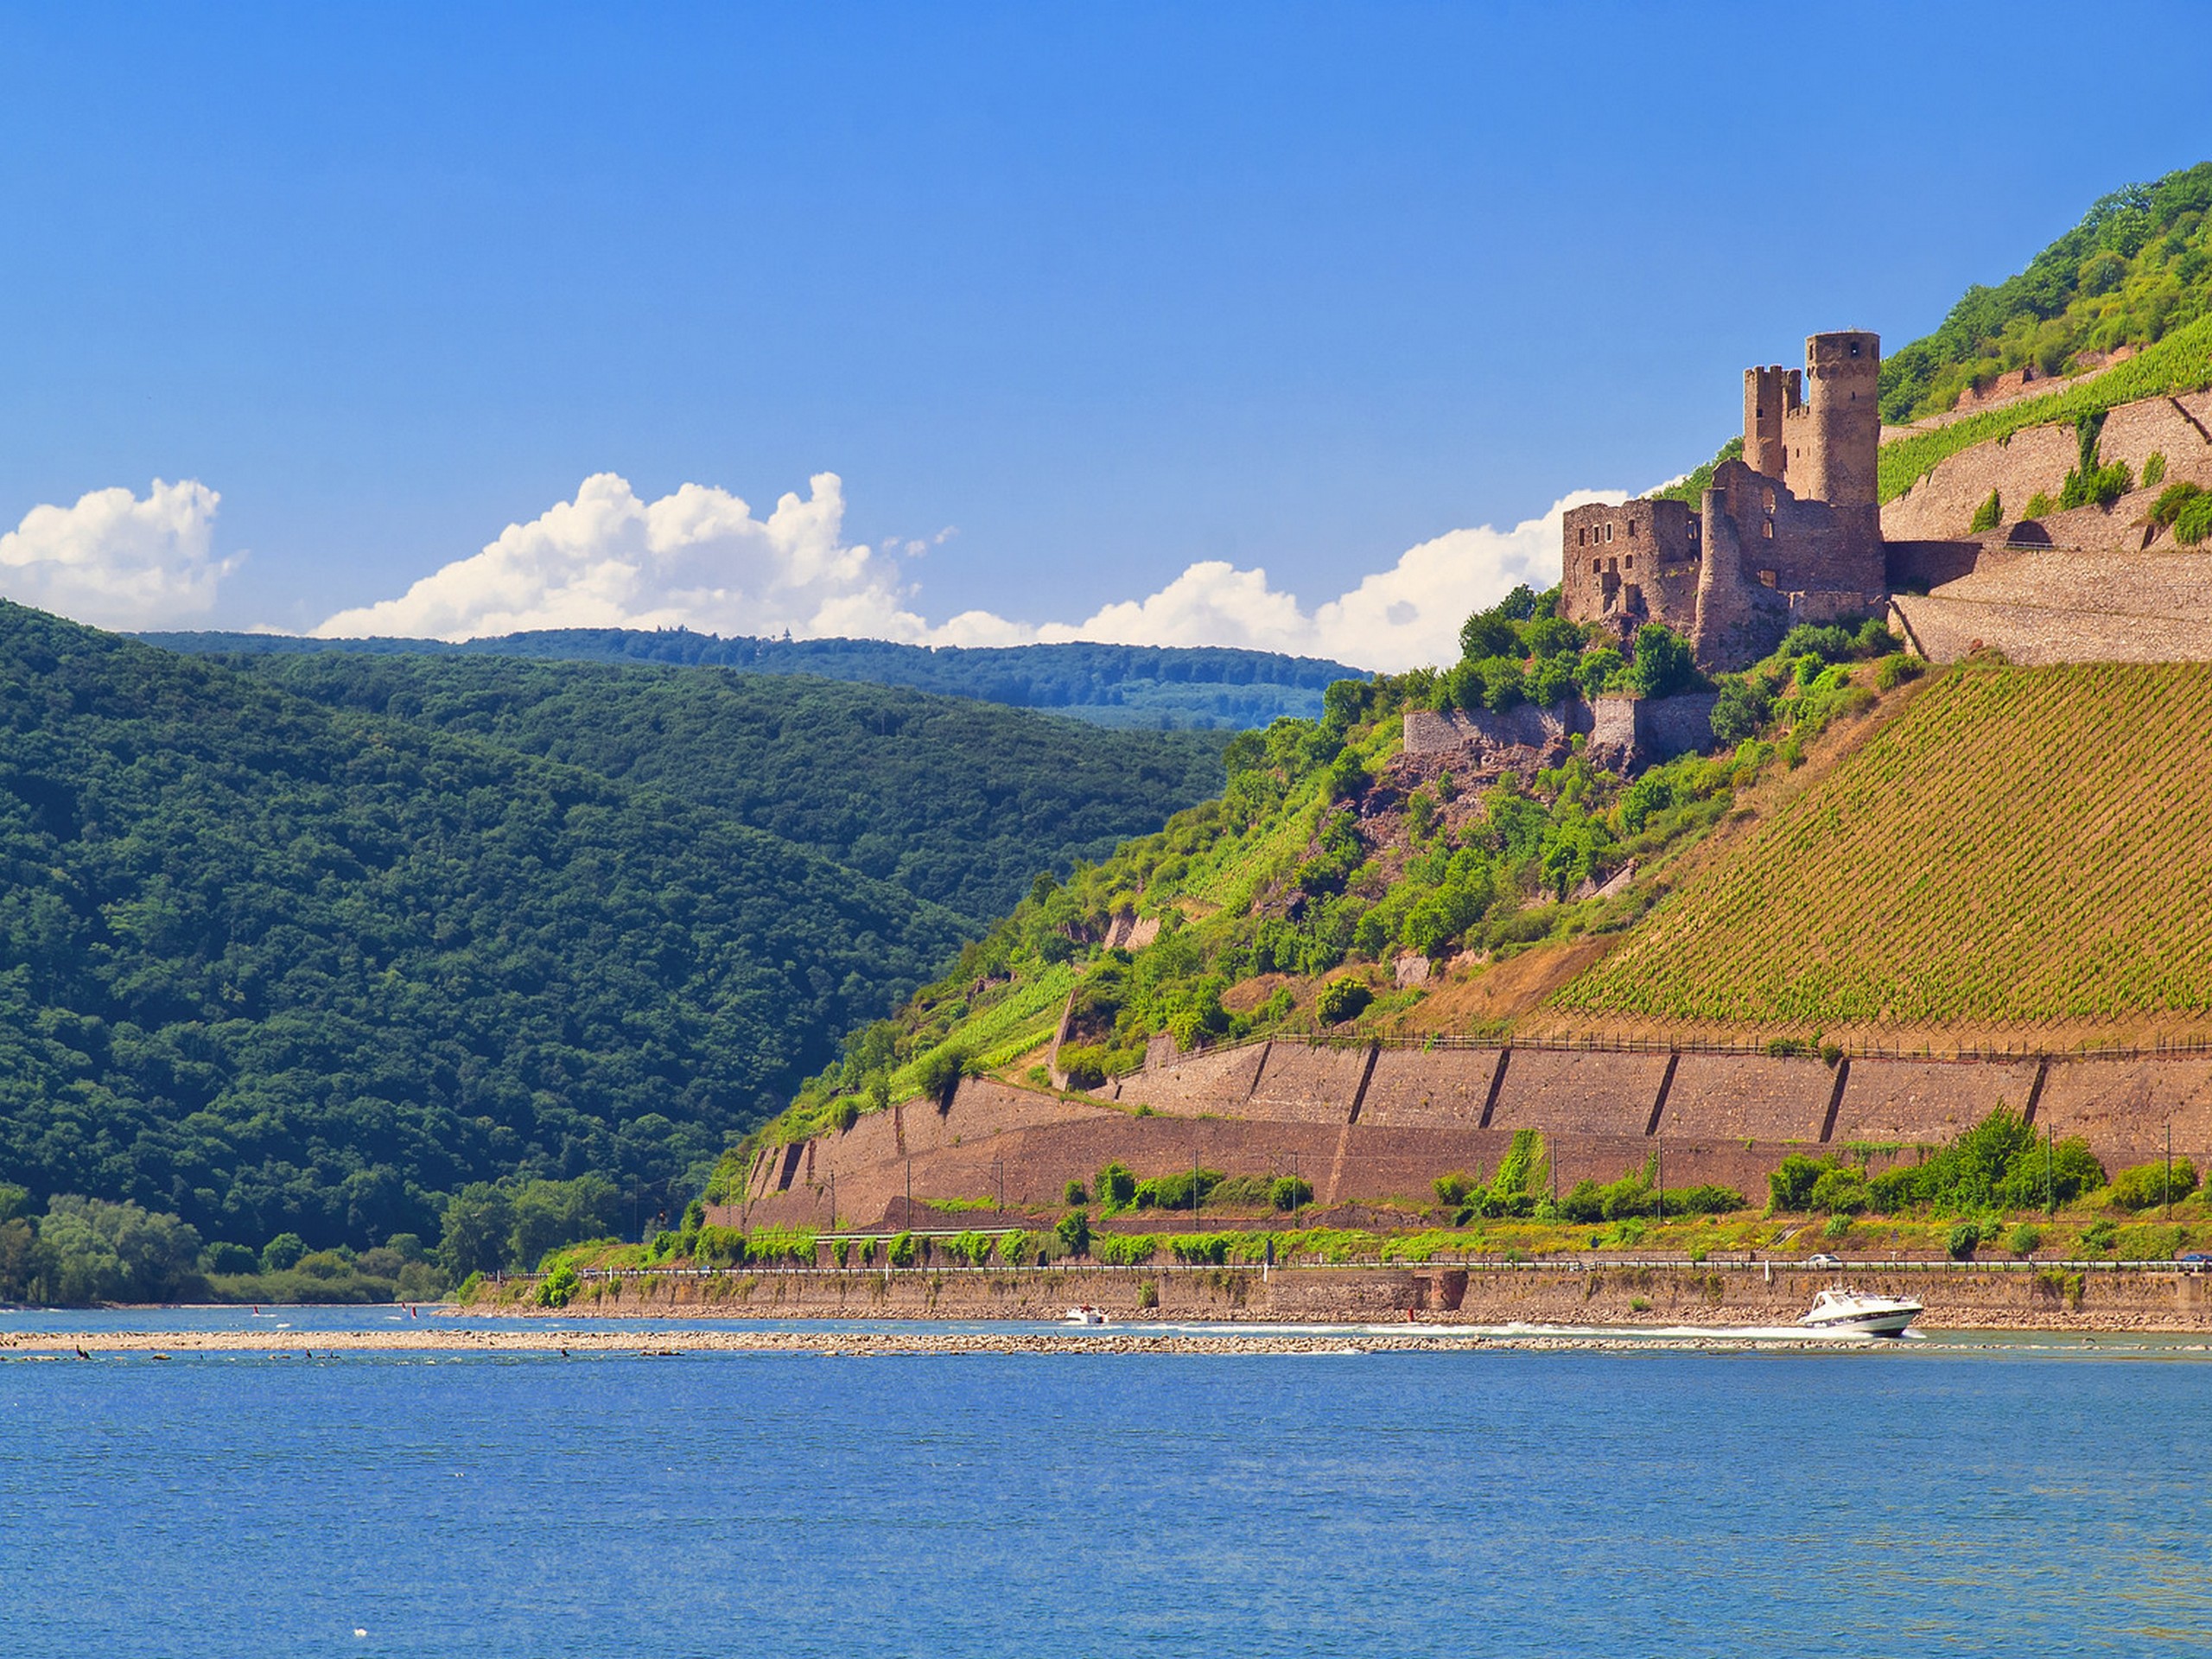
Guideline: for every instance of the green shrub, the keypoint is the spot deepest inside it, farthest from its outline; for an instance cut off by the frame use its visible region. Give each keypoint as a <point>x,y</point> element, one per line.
<point>558,1288</point>
<point>1893,671</point>
<point>2154,470</point>
<point>2023,1240</point>
<point>1084,1064</point>
<point>905,1252</point>
<point>1451,1190</point>
<point>2040,505</point>
<point>1074,1194</point>
<point>1836,1227</point>
<point>1987,516</point>
<point>2097,1238</point>
<point>1840,1191</point>
<point>227,1258</point>
<point>1585,1202</point>
<point>1341,1000</point>
<point>1182,1191</point>
<point>2193,526</point>
<point>1202,1249</point>
<point>1290,1191</point>
<point>282,1253</point>
<point>2147,1185</point>
<point>1074,1233</point>
<point>1148,1293</point>
<point>1123,1250</point>
<point>1962,1240</point>
<point>939,1073</point>
<point>1896,1190</point>
<point>1115,1188</point>
<point>1790,1186</point>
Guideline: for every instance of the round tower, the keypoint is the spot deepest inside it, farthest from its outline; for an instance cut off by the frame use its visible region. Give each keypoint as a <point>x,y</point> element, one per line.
<point>1843,420</point>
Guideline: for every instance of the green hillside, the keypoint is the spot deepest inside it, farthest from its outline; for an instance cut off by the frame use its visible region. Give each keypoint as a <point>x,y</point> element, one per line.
<point>2023,849</point>
<point>1207,687</point>
<point>2137,268</point>
<point>272,966</point>
<point>2135,273</point>
<point>1281,905</point>
<point>958,802</point>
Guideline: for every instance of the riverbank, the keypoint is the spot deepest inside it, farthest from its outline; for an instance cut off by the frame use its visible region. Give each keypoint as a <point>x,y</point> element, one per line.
<point>2082,1298</point>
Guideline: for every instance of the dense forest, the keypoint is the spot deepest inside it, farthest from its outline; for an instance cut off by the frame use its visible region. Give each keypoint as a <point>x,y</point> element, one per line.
<point>267,966</point>
<point>2137,268</point>
<point>956,801</point>
<point>1154,687</point>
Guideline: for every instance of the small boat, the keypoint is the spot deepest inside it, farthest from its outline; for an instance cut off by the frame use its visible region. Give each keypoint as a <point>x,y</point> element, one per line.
<point>1085,1315</point>
<point>1848,1311</point>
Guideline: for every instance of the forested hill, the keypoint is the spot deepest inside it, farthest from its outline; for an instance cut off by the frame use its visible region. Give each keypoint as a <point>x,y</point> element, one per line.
<point>2137,269</point>
<point>1209,687</point>
<point>271,965</point>
<point>958,802</point>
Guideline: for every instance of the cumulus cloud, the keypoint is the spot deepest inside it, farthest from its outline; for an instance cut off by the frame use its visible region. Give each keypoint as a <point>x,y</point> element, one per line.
<point>1398,618</point>
<point>697,558</point>
<point>116,561</point>
<point>700,558</point>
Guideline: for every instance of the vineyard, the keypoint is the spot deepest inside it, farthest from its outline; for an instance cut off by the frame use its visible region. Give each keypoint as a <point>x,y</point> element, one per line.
<point>2023,849</point>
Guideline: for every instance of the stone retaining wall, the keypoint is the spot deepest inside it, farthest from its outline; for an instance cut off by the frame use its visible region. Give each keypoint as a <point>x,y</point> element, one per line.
<point>1284,1106</point>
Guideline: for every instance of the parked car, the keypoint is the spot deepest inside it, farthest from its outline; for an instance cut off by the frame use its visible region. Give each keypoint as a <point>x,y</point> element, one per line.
<point>1824,1260</point>
<point>2196,1261</point>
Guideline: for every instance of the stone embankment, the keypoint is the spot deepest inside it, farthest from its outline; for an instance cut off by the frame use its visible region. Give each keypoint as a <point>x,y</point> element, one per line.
<point>1372,1124</point>
<point>1583,1293</point>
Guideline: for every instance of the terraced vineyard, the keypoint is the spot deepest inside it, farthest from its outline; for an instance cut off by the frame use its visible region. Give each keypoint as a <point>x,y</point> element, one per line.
<point>2021,847</point>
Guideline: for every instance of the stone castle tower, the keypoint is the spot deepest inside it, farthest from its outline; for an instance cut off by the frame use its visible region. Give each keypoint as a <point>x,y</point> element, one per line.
<point>1792,532</point>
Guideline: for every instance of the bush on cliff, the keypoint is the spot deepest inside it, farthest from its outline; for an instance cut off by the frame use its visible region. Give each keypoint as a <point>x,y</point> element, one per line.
<point>1341,1000</point>
<point>2146,1185</point>
<point>1074,1232</point>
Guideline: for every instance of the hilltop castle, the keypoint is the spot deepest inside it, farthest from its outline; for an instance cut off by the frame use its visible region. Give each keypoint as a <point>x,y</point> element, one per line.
<point>1790,533</point>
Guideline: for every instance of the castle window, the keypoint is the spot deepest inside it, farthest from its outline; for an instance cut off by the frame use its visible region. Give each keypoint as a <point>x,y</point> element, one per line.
<point>1609,532</point>
<point>1597,567</point>
<point>1767,529</point>
<point>1631,530</point>
<point>1582,538</point>
<point>1629,563</point>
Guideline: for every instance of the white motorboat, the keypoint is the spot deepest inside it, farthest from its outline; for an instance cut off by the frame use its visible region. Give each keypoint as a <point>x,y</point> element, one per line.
<point>1848,1311</point>
<point>1088,1315</point>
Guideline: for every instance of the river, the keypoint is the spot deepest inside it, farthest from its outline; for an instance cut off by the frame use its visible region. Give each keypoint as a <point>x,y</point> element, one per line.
<point>1985,1495</point>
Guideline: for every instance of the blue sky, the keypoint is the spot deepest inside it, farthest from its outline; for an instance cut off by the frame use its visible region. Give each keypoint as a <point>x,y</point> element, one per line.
<point>1108,292</point>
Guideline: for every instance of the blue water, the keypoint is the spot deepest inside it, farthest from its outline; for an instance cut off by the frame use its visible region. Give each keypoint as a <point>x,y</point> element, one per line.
<point>1985,1496</point>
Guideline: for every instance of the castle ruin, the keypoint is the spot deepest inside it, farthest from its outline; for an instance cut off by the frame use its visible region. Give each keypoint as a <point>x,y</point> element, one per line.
<point>1789,533</point>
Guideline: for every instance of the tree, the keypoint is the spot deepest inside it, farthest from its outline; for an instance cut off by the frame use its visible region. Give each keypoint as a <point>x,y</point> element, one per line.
<point>1663,665</point>
<point>1486,633</point>
<point>479,1223</point>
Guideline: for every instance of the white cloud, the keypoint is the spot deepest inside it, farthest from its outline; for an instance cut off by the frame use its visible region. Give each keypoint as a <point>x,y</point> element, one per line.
<point>1398,618</point>
<point>699,558</point>
<point>116,561</point>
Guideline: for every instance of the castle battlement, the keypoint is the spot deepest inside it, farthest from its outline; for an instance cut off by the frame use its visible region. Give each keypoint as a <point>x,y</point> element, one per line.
<point>1790,533</point>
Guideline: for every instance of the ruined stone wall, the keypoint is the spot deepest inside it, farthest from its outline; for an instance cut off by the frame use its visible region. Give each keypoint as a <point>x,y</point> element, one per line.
<point>1836,438</point>
<point>1631,564</point>
<point>1629,732</point>
<point>1429,731</point>
<point>1769,394</point>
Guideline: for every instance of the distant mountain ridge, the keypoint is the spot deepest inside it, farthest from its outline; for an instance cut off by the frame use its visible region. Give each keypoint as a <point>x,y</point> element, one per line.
<point>1203,687</point>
